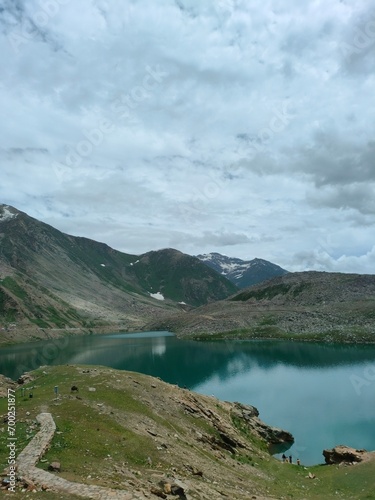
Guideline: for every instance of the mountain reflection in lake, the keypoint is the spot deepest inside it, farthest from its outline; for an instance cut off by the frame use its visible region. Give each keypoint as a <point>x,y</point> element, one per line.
<point>321,393</point>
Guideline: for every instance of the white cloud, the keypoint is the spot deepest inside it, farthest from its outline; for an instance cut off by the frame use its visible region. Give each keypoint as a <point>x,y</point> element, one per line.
<point>199,125</point>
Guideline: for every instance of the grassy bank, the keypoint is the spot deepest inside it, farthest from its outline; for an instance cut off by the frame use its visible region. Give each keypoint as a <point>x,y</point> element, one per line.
<point>129,431</point>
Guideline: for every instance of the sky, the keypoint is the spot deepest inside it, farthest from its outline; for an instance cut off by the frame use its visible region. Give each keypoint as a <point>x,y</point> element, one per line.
<point>231,126</point>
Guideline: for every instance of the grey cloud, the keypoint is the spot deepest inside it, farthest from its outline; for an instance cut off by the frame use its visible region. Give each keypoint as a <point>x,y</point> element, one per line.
<point>226,239</point>
<point>357,43</point>
<point>11,13</point>
<point>360,197</point>
<point>333,160</point>
<point>319,261</point>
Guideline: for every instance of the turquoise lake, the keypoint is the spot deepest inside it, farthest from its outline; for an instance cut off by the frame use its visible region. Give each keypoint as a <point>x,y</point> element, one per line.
<point>324,394</point>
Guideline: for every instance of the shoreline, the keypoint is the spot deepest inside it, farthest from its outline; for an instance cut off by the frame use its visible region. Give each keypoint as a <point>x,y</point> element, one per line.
<point>62,333</point>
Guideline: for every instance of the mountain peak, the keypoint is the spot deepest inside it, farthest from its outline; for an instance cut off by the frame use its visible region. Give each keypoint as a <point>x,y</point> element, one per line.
<point>241,272</point>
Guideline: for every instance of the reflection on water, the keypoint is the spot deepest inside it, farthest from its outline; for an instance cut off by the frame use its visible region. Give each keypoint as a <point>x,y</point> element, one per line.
<point>312,390</point>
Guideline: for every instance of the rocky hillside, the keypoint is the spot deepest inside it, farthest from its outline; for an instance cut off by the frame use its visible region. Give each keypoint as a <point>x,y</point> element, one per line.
<point>50,280</point>
<point>243,273</point>
<point>312,305</point>
<point>136,437</point>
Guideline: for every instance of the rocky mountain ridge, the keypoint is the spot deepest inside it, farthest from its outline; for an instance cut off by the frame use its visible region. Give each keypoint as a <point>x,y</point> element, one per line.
<point>241,272</point>
<point>309,305</point>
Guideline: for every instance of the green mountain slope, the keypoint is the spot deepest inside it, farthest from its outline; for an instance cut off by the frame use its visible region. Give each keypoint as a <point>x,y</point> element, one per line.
<point>51,280</point>
<point>181,277</point>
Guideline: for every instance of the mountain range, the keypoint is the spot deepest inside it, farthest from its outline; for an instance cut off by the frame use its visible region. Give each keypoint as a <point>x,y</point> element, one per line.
<point>243,273</point>
<point>50,280</point>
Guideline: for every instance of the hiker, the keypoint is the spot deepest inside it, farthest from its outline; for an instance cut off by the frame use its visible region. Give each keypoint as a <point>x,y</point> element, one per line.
<point>298,461</point>
<point>290,459</point>
<point>284,457</point>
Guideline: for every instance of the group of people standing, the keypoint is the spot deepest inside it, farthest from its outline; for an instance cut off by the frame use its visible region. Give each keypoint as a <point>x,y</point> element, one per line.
<point>289,459</point>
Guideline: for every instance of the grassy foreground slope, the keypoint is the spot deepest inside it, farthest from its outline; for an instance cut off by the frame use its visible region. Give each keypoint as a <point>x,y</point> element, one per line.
<point>130,431</point>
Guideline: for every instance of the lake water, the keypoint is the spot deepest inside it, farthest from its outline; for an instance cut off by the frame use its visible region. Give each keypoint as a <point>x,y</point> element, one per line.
<point>323,394</point>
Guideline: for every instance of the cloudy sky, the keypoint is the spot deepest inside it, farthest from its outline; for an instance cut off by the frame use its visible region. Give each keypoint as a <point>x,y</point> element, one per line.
<point>235,126</point>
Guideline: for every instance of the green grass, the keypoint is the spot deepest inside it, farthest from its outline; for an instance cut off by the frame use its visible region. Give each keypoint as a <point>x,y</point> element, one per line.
<point>84,437</point>
<point>268,292</point>
<point>331,482</point>
<point>88,438</point>
<point>268,320</point>
<point>7,314</point>
<point>271,291</point>
<point>11,284</point>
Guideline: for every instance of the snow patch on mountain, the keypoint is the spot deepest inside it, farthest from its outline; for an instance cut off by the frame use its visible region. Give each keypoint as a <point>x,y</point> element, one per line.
<point>7,214</point>
<point>240,272</point>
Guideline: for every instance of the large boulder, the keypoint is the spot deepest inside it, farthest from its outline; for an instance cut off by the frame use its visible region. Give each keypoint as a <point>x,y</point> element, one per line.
<point>343,454</point>
<point>25,378</point>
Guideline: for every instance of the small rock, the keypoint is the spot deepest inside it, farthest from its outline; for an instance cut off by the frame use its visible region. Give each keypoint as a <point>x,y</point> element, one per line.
<point>197,472</point>
<point>55,467</point>
<point>166,486</point>
<point>153,433</point>
<point>158,492</point>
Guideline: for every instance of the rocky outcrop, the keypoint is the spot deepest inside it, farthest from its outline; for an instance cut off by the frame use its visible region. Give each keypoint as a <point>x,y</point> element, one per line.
<point>5,384</point>
<point>25,378</point>
<point>344,454</point>
<point>247,416</point>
